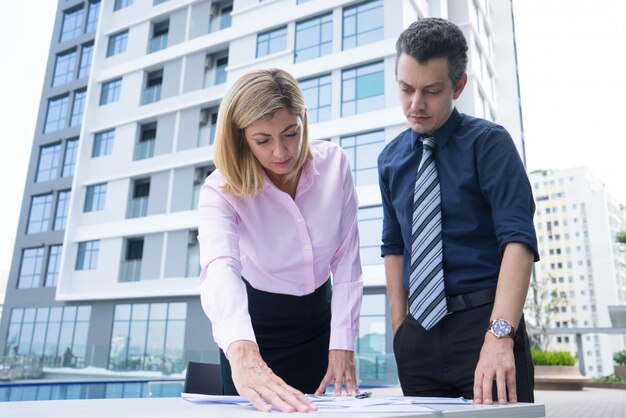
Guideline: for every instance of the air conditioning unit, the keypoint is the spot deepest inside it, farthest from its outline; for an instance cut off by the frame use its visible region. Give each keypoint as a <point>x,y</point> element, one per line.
<point>208,61</point>
<point>192,238</point>
<point>198,176</point>
<point>204,117</point>
<point>214,10</point>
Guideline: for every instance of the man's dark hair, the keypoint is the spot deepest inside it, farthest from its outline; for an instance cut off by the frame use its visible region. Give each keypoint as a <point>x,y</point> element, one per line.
<point>435,38</point>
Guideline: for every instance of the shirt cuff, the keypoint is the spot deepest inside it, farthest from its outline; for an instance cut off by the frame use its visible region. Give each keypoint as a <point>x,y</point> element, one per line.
<point>342,339</point>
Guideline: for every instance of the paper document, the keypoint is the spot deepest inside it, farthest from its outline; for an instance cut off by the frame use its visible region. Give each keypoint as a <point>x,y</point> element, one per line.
<point>326,404</point>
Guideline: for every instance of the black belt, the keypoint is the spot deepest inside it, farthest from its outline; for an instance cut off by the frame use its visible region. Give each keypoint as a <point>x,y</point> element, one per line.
<point>470,300</point>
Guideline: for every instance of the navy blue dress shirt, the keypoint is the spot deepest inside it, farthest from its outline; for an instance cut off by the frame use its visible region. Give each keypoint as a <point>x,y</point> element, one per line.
<point>486,199</point>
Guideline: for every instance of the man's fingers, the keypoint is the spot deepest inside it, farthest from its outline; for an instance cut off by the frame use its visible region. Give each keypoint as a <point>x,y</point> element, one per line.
<point>512,387</point>
<point>487,386</point>
<point>501,387</point>
<point>478,387</point>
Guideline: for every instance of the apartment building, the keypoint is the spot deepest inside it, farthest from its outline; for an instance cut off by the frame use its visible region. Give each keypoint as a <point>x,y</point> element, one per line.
<point>115,278</point>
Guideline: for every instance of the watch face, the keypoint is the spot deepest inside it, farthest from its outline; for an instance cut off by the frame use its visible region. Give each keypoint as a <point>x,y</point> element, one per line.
<point>501,328</point>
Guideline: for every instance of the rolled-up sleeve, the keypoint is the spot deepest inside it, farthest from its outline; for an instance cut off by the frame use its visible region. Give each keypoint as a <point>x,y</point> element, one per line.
<point>222,291</point>
<point>392,234</point>
<point>346,269</point>
<point>505,184</point>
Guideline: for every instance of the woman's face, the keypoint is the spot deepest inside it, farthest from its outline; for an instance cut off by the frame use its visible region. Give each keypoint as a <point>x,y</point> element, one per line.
<point>276,143</point>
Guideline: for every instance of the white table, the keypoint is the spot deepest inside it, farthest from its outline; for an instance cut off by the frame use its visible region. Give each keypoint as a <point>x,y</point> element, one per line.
<point>177,407</point>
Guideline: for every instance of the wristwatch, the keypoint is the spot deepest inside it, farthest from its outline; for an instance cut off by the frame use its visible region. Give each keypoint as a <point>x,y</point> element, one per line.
<point>501,328</point>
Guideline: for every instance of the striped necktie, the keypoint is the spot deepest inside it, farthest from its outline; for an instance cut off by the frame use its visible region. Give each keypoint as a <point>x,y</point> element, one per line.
<point>427,297</point>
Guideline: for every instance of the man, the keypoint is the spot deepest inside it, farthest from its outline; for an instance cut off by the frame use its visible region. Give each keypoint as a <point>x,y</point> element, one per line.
<point>458,235</point>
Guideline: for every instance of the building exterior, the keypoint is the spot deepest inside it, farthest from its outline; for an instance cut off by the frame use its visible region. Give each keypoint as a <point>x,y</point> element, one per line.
<point>125,257</point>
<point>577,221</point>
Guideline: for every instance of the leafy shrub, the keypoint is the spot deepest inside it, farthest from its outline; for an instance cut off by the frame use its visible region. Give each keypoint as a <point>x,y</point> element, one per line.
<point>620,358</point>
<point>552,358</point>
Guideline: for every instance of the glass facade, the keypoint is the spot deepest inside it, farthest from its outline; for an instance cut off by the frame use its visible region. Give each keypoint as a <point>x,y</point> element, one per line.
<point>48,164</point>
<point>270,42</point>
<point>363,24</point>
<point>147,138</point>
<point>314,38</point>
<point>318,97</point>
<point>69,161</point>
<point>103,143</point>
<point>159,36</point>
<point>72,24</point>
<point>64,68</point>
<point>56,114</point>
<point>85,60</point>
<point>58,335</point>
<point>60,215</point>
<point>363,150</point>
<point>374,365</point>
<point>138,204</point>
<point>207,126</point>
<point>39,216</point>
<point>110,91</point>
<point>154,82</point>
<point>363,89</point>
<point>78,107</point>
<point>30,268</point>
<point>117,43</point>
<point>95,197</point>
<point>87,255</point>
<point>370,222</point>
<point>92,16</point>
<point>53,265</point>
<point>148,336</point>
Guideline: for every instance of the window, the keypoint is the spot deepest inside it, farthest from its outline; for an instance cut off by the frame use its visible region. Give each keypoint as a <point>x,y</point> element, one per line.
<point>207,126</point>
<point>317,96</point>
<point>64,68</point>
<point>220,16</point>
<point>92,16</point>
<point>131,266</point>
<point>215,69</point>
<point>147,137</point>
<point>30,268</point>
<point>363,24</point>
<point>362,89</point>
<point>72,24</point>
<point>52,266</point>
<point>56,114</point>
<point>200,174</point>
<point>138,205</point>
<point>87,256</point>
<point>363,150</point>
<point>50,334</point>
<point>110,91</point>
<point>314,38</point>
<point>60,215</point>
<point>39,216</point>
<point>159,36</point>
<point>95,197</point>
<point>78,107</point>
<point>85,60</point>
<point>371,343</point>
<point>117,43</point>
<point>154,81</point>
<point>103,143</point>
<point>370,232</point>
<point>120,4</point>
<point>148,336</point>
<point>48,164</point>
<point>69,161</point>
<point>270,42</point>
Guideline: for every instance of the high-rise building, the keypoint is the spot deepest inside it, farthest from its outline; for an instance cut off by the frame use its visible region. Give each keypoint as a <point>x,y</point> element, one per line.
<point>582,267</point>
<point>106,257</point>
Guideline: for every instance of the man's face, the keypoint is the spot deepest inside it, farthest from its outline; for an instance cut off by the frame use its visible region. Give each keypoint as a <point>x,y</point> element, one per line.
<point>426,92</point>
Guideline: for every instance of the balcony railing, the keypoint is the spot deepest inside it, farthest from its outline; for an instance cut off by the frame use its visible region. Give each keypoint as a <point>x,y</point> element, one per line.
<point>220,22</point>
<point>131,271</point>
<point>215,76</point>
<point>158,43</point>
<point>151,94</point>
<point>206,135</point>
<point>144,149</point>
<point>138,207</point>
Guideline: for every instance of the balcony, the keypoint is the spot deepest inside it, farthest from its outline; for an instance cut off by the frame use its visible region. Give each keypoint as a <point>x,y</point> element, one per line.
<point>206,136</point>
<point>151,94</point>
<point>220,22</point>
<point>131,271</point>
<point>157,43</point>
<point>144,149</point>
<point>138,207</point>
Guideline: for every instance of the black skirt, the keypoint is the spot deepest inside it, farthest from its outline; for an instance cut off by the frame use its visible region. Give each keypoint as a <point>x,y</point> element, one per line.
<point>293,333</point>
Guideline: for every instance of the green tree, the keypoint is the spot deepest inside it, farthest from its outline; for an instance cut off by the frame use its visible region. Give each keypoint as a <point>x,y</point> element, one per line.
<point>621,237</point>
<point>541,304</point>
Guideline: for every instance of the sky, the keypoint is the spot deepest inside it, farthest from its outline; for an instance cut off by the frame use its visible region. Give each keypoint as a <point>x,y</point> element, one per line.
<point>571,68</point>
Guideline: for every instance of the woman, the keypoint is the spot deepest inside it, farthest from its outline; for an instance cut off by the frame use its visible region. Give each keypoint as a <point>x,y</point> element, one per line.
<point>276,218</point>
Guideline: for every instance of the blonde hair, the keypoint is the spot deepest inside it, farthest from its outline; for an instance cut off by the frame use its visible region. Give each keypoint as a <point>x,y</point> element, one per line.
<point>255,96</point>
